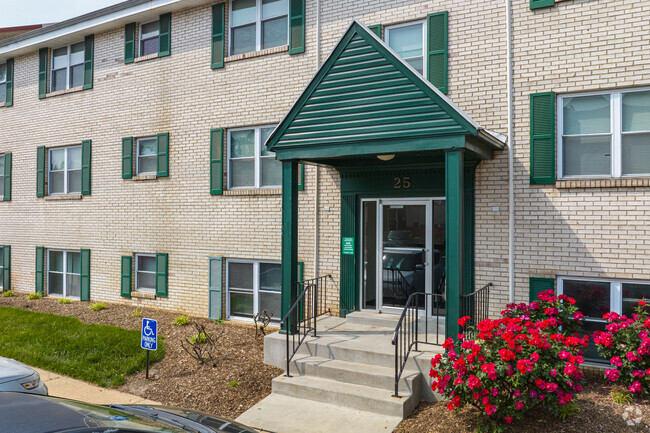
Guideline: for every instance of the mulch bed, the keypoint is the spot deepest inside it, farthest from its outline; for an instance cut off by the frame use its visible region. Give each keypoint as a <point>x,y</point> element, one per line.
<point>178,379</point>
<point>597,412</point>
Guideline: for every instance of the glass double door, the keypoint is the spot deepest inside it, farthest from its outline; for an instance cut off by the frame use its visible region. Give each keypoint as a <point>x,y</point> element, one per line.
<point>403,245</point>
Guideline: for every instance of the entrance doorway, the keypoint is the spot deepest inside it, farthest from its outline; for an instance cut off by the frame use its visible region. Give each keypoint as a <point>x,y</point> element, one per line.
<point>403,252</point>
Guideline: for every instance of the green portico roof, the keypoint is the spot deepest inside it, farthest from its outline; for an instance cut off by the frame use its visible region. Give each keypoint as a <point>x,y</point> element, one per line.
<point>366,100</point>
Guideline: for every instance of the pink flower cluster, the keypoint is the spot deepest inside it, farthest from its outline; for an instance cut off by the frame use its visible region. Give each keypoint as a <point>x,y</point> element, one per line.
<point>626,343</point>
<point>504,371</point>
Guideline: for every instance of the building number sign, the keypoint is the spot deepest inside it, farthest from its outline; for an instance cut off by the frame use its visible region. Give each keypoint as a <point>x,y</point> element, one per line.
<point>403,182</point>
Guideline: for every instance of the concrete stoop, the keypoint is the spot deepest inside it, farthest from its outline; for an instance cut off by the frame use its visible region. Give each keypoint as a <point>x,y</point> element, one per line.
<point>342,378</point>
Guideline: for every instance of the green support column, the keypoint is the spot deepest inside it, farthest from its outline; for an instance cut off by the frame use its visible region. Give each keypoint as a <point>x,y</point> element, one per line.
<point>454,188</point>
<point>289,236</point>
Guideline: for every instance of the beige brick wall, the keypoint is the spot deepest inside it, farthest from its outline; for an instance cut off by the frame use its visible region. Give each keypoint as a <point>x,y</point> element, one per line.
<point>574,46</point>
<point>584,229</point>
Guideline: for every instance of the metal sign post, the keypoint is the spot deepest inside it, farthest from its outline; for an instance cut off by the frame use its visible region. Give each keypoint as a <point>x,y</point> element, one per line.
<point>149,339</point>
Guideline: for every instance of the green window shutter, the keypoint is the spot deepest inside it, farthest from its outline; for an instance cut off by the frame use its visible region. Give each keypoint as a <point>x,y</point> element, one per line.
<point>129,43</point>
<point>40,256</point>
<point>437,43</point>
<point>161,274</point>
<point>301,271</point>
<point>218,32</point>
<point>536,4</point>
<point>6,265</point>
<point>7,178</point>
<point>127,157</point>
<point>542,138</point>
<point>42,73</point>
<point>165,34</point>
<point>40,171</point>
<point>538,285</point>
<point>163,154</point>
<point>85,275</point>
<point>9,99</point>
<point>125,282</point>
<point>376,29</point>
<point>296,26</point>
<point>301,177</point>
<point>89,54</point>
<point>85,167</point>
<point>216,161</point>
<point>215,290</point>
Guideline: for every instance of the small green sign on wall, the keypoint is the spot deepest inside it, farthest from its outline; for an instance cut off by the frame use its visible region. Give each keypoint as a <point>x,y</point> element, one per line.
<point>347,245</point>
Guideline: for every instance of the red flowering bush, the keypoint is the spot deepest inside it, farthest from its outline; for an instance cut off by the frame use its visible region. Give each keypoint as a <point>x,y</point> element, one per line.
<point>626,344</point>
<point>528,358</point>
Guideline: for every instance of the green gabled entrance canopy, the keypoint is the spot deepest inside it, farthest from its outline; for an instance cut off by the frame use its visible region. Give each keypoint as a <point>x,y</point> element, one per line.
<point>366,100</point>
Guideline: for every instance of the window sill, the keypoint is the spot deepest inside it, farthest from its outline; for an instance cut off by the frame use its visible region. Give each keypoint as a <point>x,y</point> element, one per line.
<point>145,58</point>
<point>603,183</point>
<point>143,295</point>
<point>56,197</point>
<point>3,104</point>
<point>260,53</point>
<point>254,191</point>
<point>143,177</point>
<point>65,92</point>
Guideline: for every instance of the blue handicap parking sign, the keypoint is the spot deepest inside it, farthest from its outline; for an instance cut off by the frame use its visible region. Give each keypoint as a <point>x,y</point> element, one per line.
<point>149,337</point>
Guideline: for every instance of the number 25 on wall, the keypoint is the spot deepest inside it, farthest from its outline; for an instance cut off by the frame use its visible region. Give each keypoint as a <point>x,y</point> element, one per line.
<point>402,182</point>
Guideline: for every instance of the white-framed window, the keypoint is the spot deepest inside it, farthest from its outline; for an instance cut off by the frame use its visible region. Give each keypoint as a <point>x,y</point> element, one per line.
<point>64,273</point>
<point>604,134</point>
<point>145,272</point>
<point>149,34</point>
<point>146,155</point>
<point>252,287</point>
<point>67,67</point>
<point>258,24</point>
<point>2,175</point>
<point>64,173</point>
<point>409,41</point>
<point>249,164</point>
<point>3,82</point>
<point>596,296</point>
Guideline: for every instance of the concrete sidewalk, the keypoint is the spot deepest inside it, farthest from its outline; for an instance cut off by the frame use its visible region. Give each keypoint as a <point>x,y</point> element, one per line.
<point>63,386</point>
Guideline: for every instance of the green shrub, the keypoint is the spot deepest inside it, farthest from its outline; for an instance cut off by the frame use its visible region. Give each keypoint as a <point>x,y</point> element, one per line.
<point>8,293</point>
<point>32,296</point>
<point>218,321</point>
<point>65,301</point>
<point>621,396</point>
<point>233,383</point>
<point>181,320</point>
<point>136,313</point>
<point>200,338</point>
<point>98,306</point>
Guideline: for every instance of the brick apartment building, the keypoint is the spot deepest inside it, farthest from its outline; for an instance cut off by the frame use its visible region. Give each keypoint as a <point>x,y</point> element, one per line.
<point>134,166</point>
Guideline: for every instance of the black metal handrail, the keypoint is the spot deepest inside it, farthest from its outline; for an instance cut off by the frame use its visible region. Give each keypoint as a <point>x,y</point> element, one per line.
<point>300,320</point>
<point>395,286</point>
<point>476,305</point>
<point>407,333</point>
<point>405,337</point>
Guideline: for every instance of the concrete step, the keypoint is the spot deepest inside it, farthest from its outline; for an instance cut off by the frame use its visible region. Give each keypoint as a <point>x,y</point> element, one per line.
<point>434,324</point>
<point>348,395</point>
<point>355,373</point>
<point>306,416</point>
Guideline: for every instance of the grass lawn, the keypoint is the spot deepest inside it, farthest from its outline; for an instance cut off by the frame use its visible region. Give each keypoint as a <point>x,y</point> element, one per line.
<point>99,354</point>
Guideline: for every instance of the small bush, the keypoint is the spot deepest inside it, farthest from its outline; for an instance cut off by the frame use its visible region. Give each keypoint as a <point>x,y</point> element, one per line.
<point>626,343</point>
<point>621,397</point>
<point>181,320</point>
<point>233,383</point>
<point>8,293</point>
<point>200,338</point>
<point>218,321</point>
<point>65,301</point>
<point>98,306</point>
<point>33,296</point>
<point>529,358</point>
<point>136,313</point>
